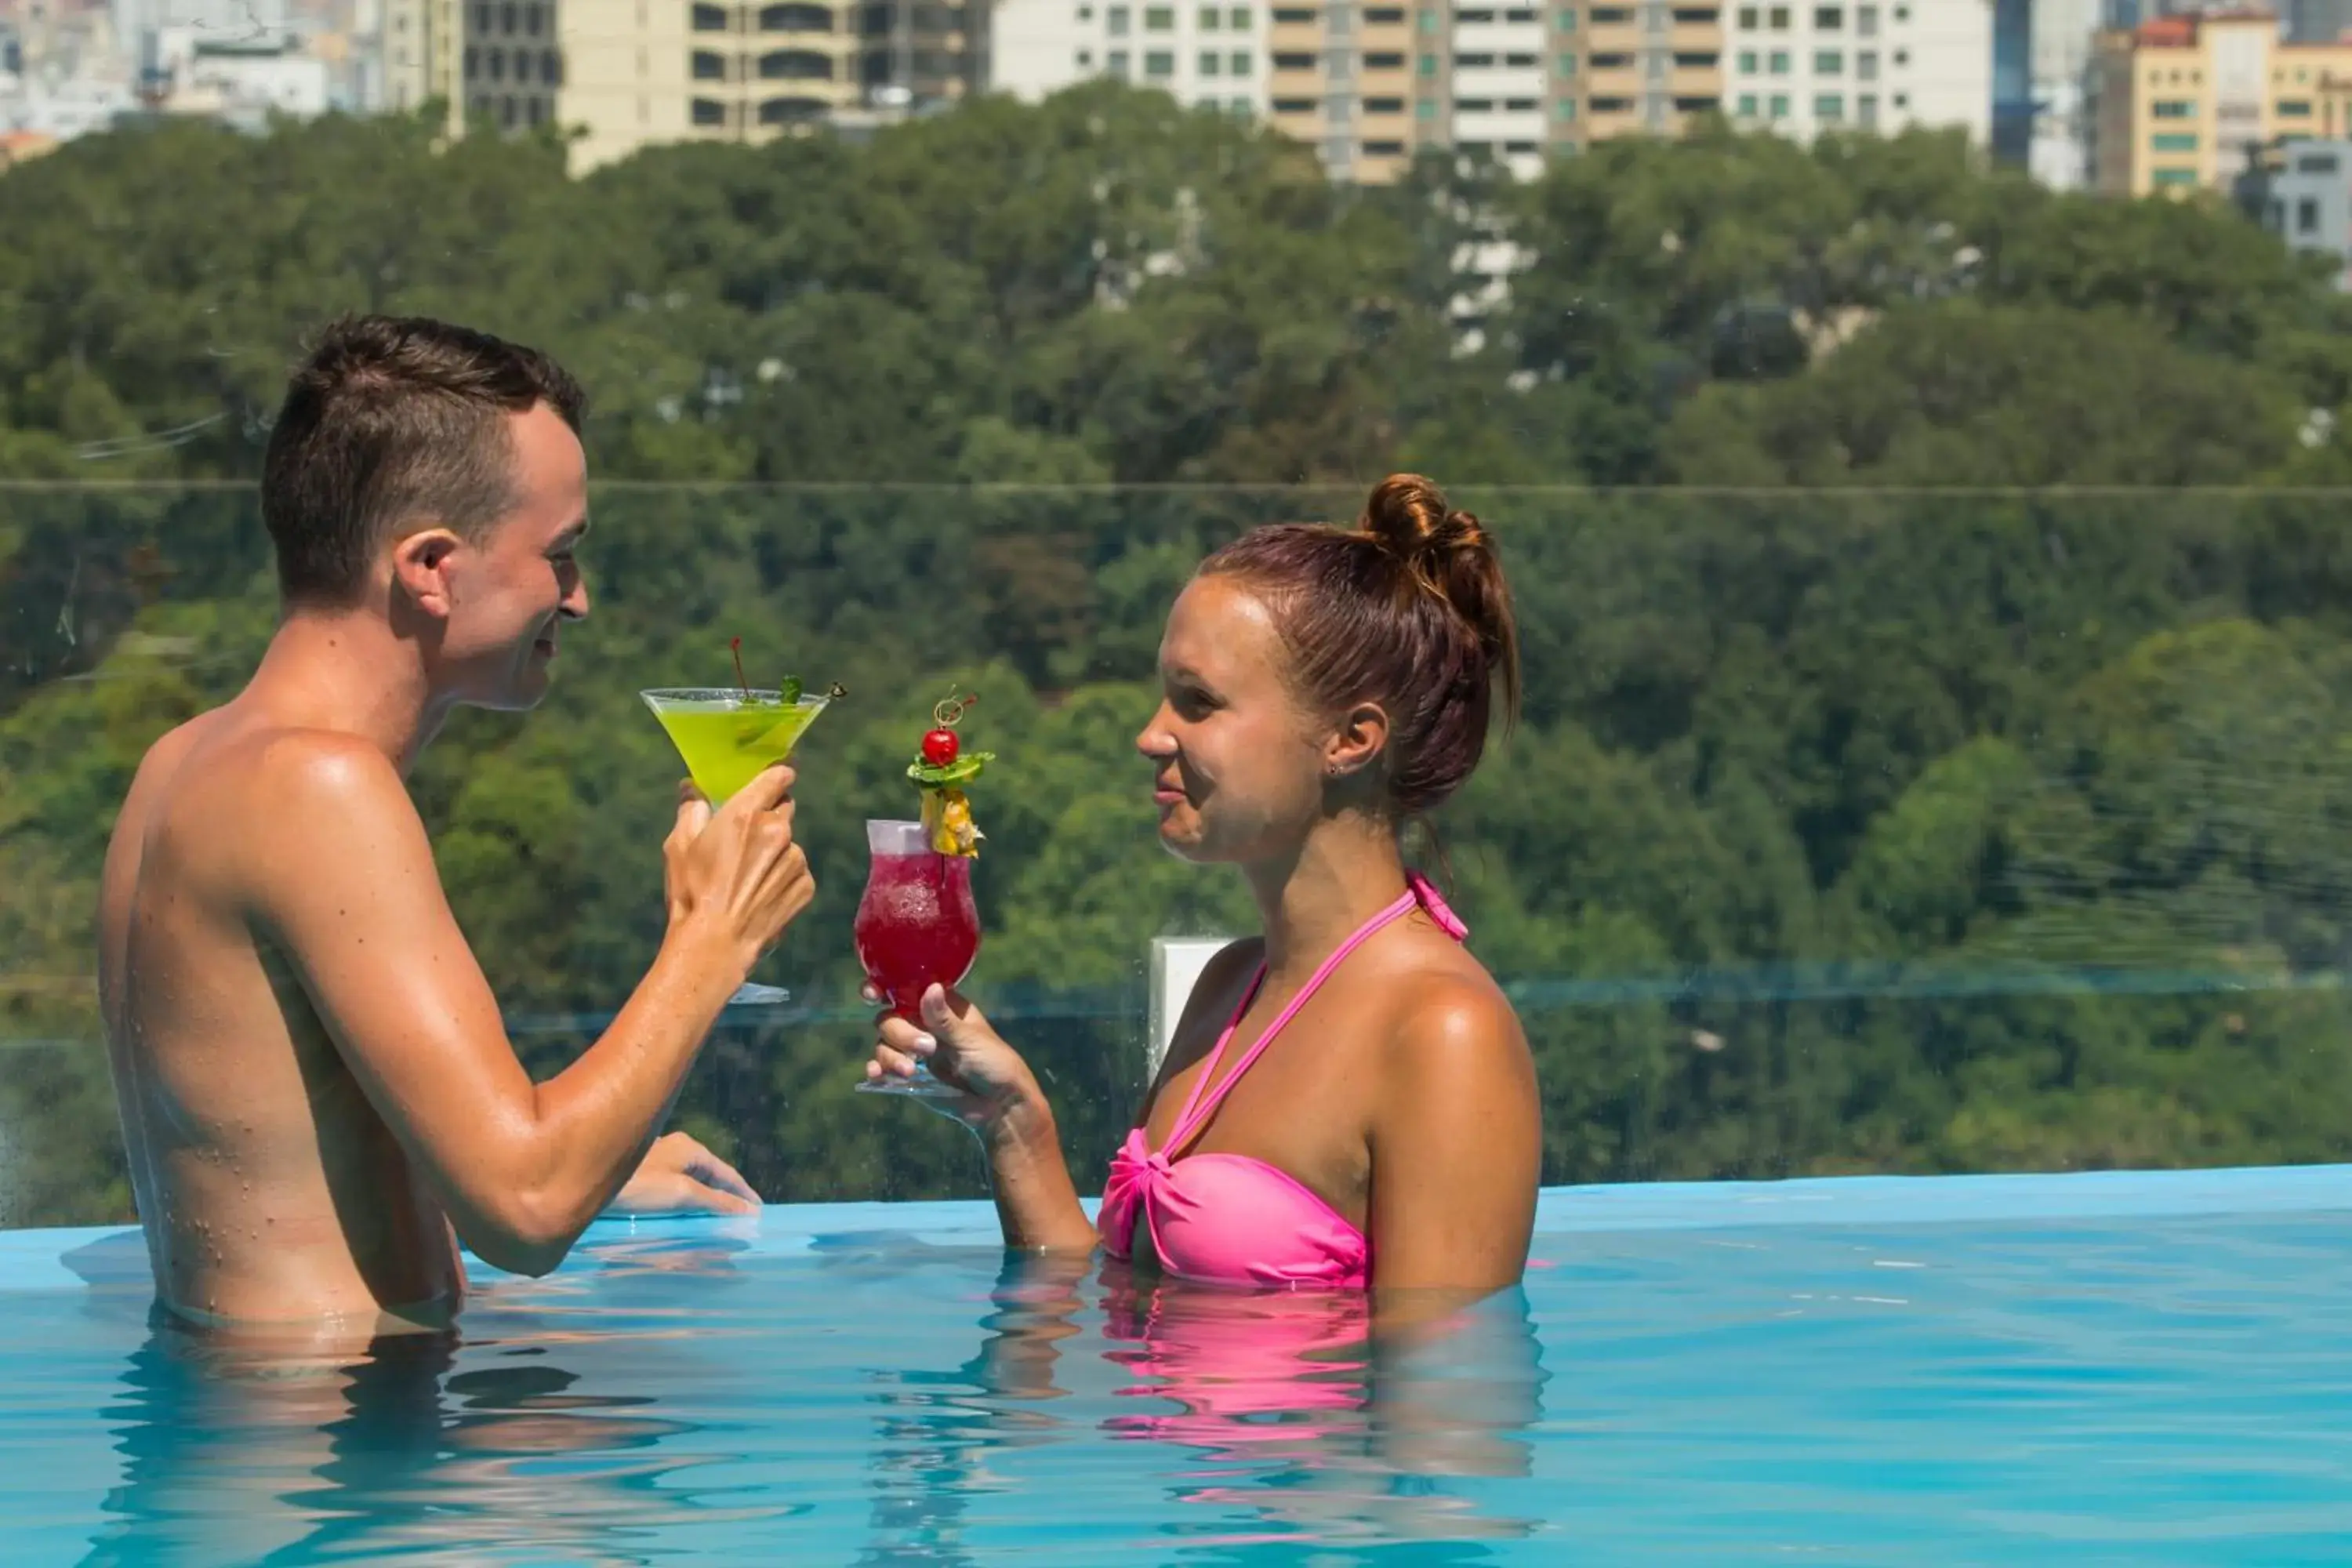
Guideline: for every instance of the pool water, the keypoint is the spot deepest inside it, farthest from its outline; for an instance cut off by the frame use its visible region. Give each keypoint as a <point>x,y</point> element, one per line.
<point>2080,1369</point>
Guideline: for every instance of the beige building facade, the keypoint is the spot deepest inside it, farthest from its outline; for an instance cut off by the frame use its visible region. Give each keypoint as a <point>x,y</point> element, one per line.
<point>2185,102</point>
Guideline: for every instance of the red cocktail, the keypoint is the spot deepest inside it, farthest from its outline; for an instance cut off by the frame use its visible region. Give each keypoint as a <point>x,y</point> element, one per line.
<point>915,926</point>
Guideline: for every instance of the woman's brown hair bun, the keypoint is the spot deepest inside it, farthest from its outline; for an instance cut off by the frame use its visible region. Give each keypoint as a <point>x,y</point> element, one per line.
<point>1409,609</point>
<point>1451,554</point>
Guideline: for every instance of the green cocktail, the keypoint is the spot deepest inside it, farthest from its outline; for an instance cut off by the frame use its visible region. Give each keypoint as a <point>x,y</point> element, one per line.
<point>726,735</point>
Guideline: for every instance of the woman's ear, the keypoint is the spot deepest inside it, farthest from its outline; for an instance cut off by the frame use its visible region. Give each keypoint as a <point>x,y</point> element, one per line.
<point>1356,741</point>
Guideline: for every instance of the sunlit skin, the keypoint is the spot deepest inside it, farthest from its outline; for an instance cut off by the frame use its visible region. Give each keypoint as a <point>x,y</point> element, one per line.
<point>315,1085</point>
<point>1402,1094</point>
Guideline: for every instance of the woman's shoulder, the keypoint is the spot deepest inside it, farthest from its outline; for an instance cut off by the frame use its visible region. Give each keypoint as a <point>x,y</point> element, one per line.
<point>1447,1013</point>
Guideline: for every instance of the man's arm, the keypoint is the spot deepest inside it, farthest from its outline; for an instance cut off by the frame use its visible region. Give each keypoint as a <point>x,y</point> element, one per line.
<point>1456,1153</point>
<point>346,886</point>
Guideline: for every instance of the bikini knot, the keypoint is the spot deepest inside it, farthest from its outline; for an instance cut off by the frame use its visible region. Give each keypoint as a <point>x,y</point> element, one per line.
<point>1438,909</point>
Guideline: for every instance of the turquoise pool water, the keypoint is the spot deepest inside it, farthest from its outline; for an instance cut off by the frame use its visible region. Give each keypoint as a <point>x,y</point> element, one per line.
<point>2080,1369</point>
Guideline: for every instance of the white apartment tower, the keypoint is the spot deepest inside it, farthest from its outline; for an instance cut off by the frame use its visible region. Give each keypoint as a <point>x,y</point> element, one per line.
<point>1802,66</point>
<point>1209,55</point>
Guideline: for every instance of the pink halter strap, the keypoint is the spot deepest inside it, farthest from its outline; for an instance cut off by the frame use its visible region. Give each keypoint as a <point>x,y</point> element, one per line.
<point>1196,1113</point>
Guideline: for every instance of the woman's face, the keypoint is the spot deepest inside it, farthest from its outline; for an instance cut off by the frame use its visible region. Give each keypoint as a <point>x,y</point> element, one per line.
<point>1238,768</point>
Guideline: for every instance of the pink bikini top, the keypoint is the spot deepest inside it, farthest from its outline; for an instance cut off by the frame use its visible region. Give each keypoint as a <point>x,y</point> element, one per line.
<point>1229,1219</point>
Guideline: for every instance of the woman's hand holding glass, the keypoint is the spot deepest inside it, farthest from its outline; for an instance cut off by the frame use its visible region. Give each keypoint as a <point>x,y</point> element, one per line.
<point>994,1087</point>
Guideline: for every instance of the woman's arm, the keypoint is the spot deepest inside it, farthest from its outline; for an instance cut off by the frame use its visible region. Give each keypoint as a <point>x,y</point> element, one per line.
<point>1000,1100</point>
<point>1036,1201</point>
<point>1456,1151</point>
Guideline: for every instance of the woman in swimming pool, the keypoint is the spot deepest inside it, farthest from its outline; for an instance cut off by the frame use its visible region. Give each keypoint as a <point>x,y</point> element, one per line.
<point>1348,1101</point>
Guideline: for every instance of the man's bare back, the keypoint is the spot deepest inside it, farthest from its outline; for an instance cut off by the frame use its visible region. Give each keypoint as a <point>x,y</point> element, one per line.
<point>319,1099</point>
<point>269,1186</point>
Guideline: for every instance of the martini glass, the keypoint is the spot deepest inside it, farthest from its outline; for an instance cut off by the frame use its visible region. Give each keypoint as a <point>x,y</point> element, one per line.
<point>726,736</point>
<point>916,924</point>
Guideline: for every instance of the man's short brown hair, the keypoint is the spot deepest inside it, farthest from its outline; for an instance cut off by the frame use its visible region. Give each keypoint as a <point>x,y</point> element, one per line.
<point>393,420</point>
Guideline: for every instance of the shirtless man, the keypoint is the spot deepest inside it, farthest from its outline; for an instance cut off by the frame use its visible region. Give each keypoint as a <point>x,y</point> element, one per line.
<point>317,1098</point>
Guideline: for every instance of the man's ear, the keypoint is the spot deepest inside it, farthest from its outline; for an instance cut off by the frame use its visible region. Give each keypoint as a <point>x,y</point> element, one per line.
<point>420,569</point>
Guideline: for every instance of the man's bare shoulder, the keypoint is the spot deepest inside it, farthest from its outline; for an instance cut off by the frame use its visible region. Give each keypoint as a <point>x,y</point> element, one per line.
<point>250,800</point>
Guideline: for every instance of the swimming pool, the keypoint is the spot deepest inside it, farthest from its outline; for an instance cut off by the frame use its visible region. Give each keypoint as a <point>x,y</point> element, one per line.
<point>2116,1368</point>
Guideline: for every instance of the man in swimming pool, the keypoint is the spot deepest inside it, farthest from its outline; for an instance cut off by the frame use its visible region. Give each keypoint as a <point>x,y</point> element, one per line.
<point>317,1098</point>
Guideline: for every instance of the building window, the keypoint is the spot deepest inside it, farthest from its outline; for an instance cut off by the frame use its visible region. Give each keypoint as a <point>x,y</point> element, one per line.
<point>1750,18</point>
<point>1695,62</point>
<point>497,64</point>
<point>1902,58</point>
<point>1866,64</point>
<point>2175,177</point>
<point>1778,108</point>
<point>1746,105</point>
<point>539,111</point>
<point>1610,15</point>
<point>709,112</point>
<point>473,63</point>
<point>1293,18</point>
<point>1866,21</point>
<point>1238,63</point>
<point>1828,62</point>
<point>1384,62</point>
<point>1429,65</point>
<point>1294,62</point>
<point>1474,106</point>
<point>796,19</point>
<point>1158,65</point>
<point>1211,63</point>
<point>1159,18</point>
<point>2306,215</point>
<point>1828,18</point>
<point>1384,106</point>
<point>533,20</point>
<point>1383,149</point>
<point>1115,64</point>
<point>798,64</point>
<point>1902,100</point>
<point>1779,19</point>
<point>2174,142</point>
<point>1611,62</point>
<point>1612,106</point>
<point>2294,109</point>
<point>1901,14</point>
<point>1779,62</point>
<point>1086,59</point>
<point>522,66</point>
<point>1564,110</point>
<point>1210,17</point>
<point>1829,108</point>
<point>1426,109</point>
<point>1564,20</point>
<point>1238,18</point>
<point>2173,109</point>
<point>1866,110</point>
<point>1748,62</point>
<point>1293,106</point>
<point>708,66</point>
<point>1115,19</point>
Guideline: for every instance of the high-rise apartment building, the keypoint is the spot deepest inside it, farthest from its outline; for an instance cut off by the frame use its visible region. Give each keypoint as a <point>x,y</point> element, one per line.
<point>421,42</point>
<point>2188,102</point>
<point>635,72</point>
<point>1213,56</point>
<point>1802,66</point>
<point>1368,85</point>
<point>510,63</point>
